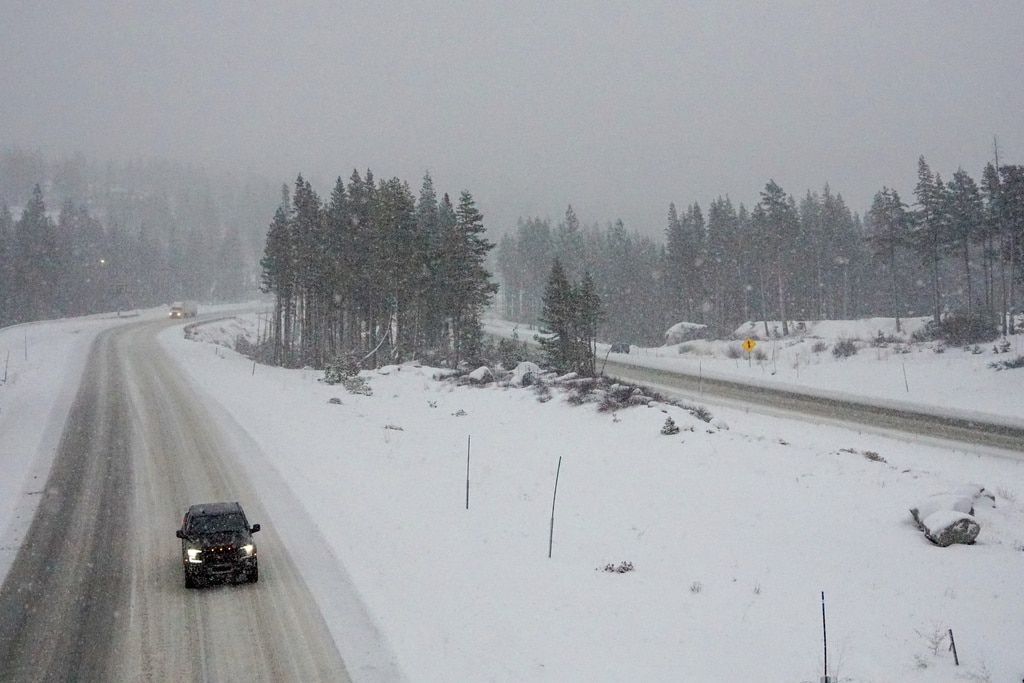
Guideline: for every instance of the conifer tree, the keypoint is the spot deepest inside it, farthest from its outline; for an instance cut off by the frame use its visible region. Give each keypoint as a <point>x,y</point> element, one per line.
<point>890,232</point>
<point>557,329</point>
<point>676,249</point>
<point>339,256</point>
<point>36,277</point>
<point>278,278</point>
<point>965,210</point>
<point>929,232</point>
<point>429,285</point>
<point>466,252</point>
<point>7,252</point>
<point>588,310</point>
<point>569,325</point>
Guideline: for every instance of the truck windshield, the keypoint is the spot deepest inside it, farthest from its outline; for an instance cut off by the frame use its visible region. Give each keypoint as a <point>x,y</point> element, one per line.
<point>208,524</point>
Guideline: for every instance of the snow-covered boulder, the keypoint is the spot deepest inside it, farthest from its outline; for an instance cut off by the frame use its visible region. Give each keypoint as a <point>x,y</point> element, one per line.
<point>481,375</point>
<point>946,527</point>
<point>684,331</point>
<point>525,374</point>
<point>952,502</point>
<point>948,518</point>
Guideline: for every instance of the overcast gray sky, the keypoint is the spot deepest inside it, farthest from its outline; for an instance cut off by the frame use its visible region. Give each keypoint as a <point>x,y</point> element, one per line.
<point>615,107</point>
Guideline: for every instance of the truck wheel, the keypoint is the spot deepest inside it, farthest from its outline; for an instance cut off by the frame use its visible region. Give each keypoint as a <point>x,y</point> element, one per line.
<point>190,581</point>
<point>253,575</point>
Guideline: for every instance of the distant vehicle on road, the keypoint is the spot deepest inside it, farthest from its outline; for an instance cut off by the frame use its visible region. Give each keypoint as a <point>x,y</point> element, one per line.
<point>217,545</point>
<point>184,309</point>
<point>620,347</point>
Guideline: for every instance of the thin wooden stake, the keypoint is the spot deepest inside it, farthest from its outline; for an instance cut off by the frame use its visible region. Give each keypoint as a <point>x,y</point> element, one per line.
<point>551,533</point>
<point>952,646</point>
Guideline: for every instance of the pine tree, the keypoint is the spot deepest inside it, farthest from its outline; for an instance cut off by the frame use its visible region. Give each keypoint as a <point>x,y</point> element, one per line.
<point>7,255</point>
<point>676,250</point>
<point>779,226</point>
<point>557,329</point>
<point>339,255</point>
<point>569,325</point>
<point>929,232</point>
<point>429,285</point>
<point>36,276</point>
<point>402,257</point>
<point>278,278</point>
<point>991,237</point>
<point>1012,212</point>
<point>569,244</point>
<point>966,212</point>
<point>588,310</point>
<point>466,252</point>
<point>309,244</point>
<point>890,232</point>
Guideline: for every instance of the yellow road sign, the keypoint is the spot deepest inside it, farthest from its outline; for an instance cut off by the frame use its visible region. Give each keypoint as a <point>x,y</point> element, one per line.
<point>749,344</point>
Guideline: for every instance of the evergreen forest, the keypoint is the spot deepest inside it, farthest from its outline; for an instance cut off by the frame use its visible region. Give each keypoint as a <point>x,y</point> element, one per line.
<point>375,275</point>
<point>80,237</point>
<point>952,252</point>
<point>373,271</point>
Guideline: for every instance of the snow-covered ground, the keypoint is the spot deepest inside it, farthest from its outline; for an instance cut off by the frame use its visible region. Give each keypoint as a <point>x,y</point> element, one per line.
<point>730,530</point>
<point>926,375</point>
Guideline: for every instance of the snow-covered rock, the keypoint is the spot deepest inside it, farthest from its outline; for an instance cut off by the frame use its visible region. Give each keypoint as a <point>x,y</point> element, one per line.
<point>481,374</point>
<point>948,518</point>
<point>684,331</point>
<point>946,527</point>
<point>941,502</point>
<point>525,374</point>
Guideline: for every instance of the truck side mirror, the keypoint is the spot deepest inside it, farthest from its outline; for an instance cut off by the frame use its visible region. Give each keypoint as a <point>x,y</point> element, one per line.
<point>179,533</point>
<point>254,529</point>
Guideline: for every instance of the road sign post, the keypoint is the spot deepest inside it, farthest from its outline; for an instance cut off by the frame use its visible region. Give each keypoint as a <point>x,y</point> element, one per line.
<point>748,345</point>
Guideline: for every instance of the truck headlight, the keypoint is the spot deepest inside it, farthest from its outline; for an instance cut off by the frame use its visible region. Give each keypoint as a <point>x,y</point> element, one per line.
<point>248,549</point>
<point>193,555</point>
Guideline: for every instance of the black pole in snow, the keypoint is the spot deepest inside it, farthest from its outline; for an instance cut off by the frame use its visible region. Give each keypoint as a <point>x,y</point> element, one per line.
<point>468,440</point>
<point>824,634</point>
<point>551,533</point>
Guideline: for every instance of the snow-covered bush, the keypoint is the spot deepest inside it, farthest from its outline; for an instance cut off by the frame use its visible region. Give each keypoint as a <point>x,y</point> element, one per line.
<point>670,427</point>
<point>961,329</point>
<point>338,370</point>
<point>1012,364</point>
<point>510,352</point>
<point>844,348</point>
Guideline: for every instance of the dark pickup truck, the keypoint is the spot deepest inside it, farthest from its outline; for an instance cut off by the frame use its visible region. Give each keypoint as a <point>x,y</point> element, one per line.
<point>217,545</point>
